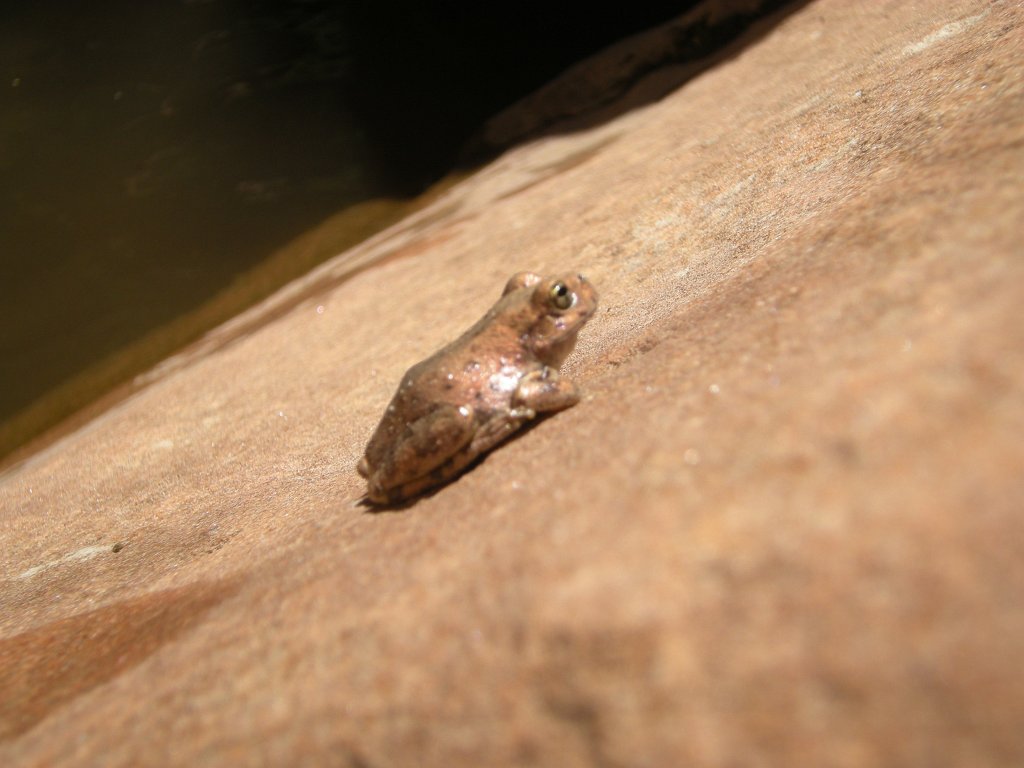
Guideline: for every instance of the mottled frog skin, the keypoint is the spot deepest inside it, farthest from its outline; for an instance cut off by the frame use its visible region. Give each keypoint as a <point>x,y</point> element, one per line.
<point>474,393</point>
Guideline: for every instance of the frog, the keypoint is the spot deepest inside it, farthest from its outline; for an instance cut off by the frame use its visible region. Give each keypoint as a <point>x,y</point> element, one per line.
<point>473,394</point>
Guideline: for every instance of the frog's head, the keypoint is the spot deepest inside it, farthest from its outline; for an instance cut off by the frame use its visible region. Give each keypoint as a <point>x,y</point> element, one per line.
<point>561,305</point>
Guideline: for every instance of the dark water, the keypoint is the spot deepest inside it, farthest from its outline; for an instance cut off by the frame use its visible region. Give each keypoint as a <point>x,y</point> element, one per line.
<point>150,152</point>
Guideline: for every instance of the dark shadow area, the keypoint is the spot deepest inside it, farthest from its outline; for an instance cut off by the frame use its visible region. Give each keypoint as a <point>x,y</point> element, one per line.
<point>631,73</point>
<point>428,75</point>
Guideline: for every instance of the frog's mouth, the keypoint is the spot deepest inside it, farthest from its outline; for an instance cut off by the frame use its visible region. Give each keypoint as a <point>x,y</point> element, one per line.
<point>572,325</point>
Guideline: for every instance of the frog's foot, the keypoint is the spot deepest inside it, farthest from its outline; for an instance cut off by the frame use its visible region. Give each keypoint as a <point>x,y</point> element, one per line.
<point>427,445</point>
<point>544,391</point>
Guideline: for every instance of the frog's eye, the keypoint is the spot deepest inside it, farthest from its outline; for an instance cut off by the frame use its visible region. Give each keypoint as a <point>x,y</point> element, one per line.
<point>561,296</point>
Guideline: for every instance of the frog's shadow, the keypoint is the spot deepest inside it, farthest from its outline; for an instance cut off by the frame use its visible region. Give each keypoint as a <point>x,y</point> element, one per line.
<point>373,508</point>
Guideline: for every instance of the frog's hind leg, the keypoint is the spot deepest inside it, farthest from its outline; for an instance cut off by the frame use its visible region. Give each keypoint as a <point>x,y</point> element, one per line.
<point>500,426</point>
<point>487,433</point>
<point>426,447</point>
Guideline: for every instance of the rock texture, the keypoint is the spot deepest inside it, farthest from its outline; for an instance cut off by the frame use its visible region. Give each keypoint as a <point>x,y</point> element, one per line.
<point>783,528</point>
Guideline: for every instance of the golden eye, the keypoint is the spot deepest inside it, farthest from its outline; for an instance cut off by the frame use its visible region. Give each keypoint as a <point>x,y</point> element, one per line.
<point>561,296</point>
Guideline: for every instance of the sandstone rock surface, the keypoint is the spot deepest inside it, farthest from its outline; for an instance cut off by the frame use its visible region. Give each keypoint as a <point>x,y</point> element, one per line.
<point>784,527</point>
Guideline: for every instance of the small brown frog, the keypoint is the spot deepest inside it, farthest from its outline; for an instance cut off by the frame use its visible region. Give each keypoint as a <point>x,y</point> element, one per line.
<point>477,391</point>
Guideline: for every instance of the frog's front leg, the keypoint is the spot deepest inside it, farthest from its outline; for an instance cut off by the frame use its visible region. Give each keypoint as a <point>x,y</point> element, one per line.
<point>543,390</point>
<point>538,391</point>
<point>424,447</point>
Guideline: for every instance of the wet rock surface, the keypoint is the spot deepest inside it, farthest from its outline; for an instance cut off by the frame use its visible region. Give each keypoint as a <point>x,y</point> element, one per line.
<point>782,526</point>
